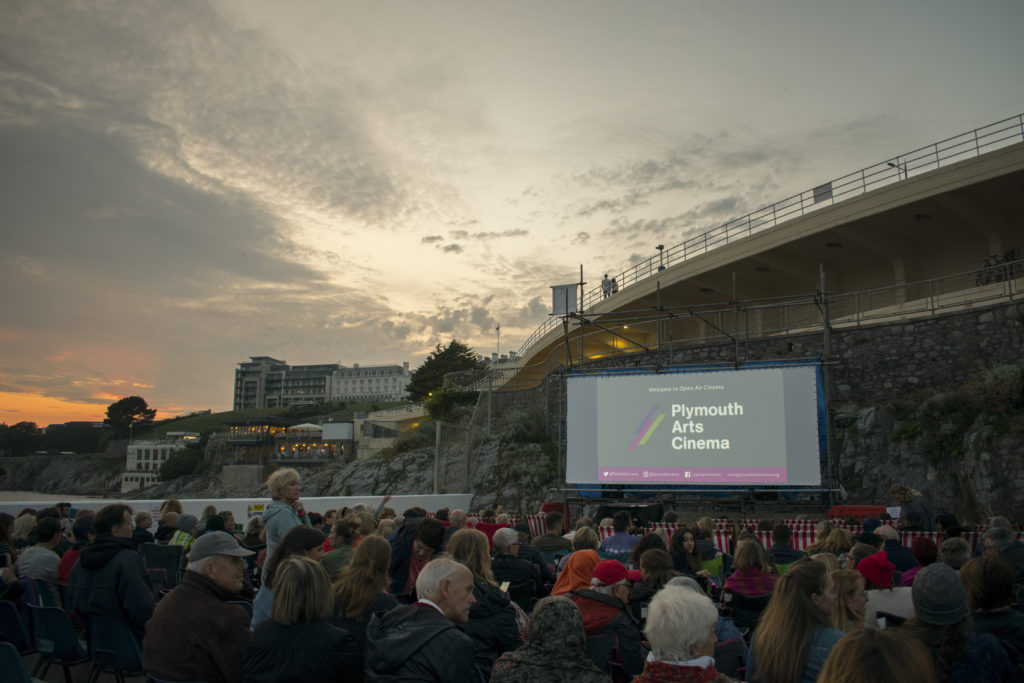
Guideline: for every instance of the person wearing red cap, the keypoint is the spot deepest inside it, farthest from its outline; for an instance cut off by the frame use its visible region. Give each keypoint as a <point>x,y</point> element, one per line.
<point>605,612</point>
<point>878,571</point>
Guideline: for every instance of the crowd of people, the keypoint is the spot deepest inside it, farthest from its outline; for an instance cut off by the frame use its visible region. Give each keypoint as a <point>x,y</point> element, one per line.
<point>369,594</point>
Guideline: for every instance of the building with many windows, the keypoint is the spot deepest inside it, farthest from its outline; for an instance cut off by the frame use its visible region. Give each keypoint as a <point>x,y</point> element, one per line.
<point>144,458</point>
<point>266,382</point>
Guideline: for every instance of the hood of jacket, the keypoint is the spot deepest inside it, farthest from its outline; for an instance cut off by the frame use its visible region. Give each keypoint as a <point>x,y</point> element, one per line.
<point>597,609</point>
<point>274,509</point>
<point>103,549</point>
<point>391,639</point>
<point>489,600</point>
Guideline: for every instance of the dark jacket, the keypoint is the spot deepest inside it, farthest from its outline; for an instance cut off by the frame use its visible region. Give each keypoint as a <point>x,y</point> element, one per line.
<point>900,555</point>
<point>382,604</point>
<point>516,571</point>
<point>110,579</point>
<point>301,653</point>
<point>195,635</point>
<point>492,626</point>
<point>532,555</point>
<point>140,536</point>
<point>606,614</point>
<point>401,547</point>
<point>418,643</point>
<point>783,553</point>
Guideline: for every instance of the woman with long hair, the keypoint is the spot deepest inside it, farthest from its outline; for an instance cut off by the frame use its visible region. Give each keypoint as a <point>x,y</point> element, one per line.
<point>297,643</point>
<point>492,620</point>
<point>656,570</point>
<point>649,542</point>
<point>839,543</point>
<point>822,531</point>
<point>866,656</point>
<point>24,525</point>
<point>685,556</point>
<point>301,540</point>
<point>755,574</point>
<point>795,633</point>
<point>851,600</point>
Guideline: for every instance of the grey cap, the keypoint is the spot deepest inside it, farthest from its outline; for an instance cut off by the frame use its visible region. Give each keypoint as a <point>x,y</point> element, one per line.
<point>939,595</point>
<point>216,543</point>
<point>187,522</point>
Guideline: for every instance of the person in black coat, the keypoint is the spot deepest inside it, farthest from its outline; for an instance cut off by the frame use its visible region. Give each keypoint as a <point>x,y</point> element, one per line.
<point>297,644</point>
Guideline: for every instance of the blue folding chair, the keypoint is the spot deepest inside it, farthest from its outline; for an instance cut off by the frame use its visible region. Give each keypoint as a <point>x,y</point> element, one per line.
<point>54,637</point>
<point>12,670</point>
<point>13,628</point>
<point>113,649</point>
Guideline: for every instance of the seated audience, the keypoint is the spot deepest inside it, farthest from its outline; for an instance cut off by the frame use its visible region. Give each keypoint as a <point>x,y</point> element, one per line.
<point>725,627</point>
<point>185,536</point>
<point>681,631</point>
<point>577,572</point>
<point>651,541</point>
<point>110,578</point>
<point>782,550</point>
<point>795,634</point>
<point>342,539</point>
<point>422,642</point>
<point>621,541</point>
<point>492,619</point>
<point>508,566</point>
<point>925,552</point>
<point>254,532</point>
<point>705,545</point>
<point>822,531</point>
<point>901,557</point>
<point>684,549</point>
<point>585,538</point>
<point>954,552</point>
<point>457,519</point>
<point>867,656</point>
<point>947,525</point>
<point>830,561</point>
<point>194,633</point>
<point>1002,542</point>
<point>941,624</point>
<point>989,586</point>
<point>300,540</point>
<point>754,574</point>
<point>297,644</point>
<point>411,549</point>
<point>655,572</point>
<point>851,600</point>
<point>551,540</point>
<point>39,561</point>
<point>360,592</point>
<point>605,610</point>
<point>878,571</point>
<point>143,522</point>
<point>839,543</point>
<point>83,533</point>
<point>24,525</point>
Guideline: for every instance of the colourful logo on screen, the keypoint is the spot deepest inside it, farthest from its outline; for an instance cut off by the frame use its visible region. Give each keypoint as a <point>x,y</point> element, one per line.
<point>647,427</point>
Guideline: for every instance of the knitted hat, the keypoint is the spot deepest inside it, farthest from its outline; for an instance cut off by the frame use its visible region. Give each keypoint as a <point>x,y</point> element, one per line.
<point>186,523</point>
<point>939,595</point>
<point>888,533</point>
<point>877,569</point>
<point>610,572</point>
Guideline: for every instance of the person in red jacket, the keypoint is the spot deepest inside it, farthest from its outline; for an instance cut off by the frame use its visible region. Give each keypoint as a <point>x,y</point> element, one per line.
<point>604,608</point>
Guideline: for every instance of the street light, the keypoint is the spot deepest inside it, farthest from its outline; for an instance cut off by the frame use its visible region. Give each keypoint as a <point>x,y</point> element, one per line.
<point>902,170</point>
<point>661,256</point>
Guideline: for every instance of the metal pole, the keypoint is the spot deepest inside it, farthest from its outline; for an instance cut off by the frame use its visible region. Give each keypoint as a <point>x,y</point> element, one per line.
<point>437,456</point>
<point>659,316</point>
<point>467,460</point>
<point>490,392</point>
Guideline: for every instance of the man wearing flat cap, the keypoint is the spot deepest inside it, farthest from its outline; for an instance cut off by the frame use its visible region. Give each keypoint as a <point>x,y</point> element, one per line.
<point>194,633</point>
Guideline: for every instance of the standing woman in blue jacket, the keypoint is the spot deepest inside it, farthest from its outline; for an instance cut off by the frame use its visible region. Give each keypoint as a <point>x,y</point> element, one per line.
<point>286,511</point>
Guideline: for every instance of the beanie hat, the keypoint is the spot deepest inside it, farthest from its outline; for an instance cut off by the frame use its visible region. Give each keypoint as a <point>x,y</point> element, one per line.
<point>939,595</point>
<point>186,523</point>
<point>888,533</point>
<point>877,569</point>
<point>610,572</point>
<point>871,523</point>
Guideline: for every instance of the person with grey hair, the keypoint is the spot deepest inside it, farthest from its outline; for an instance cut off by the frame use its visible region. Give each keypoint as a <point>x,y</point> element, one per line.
<point>1001,541</point>
<point>525,583</point>
<point>196,633</point>
<point>681,631</point>
<point>605,611</point>
<point>725,627</point>
<point>457,519</point>
<point>421,642</point>
<point>955,552</point>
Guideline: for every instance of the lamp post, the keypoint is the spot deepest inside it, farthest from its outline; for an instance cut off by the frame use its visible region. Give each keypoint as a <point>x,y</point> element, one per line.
<point>661,256</point>
<point>901,169</point>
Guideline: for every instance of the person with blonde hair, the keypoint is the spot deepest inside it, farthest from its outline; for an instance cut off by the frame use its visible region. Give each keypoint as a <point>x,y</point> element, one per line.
<point>297,643</point>
<point>866,656</point>
<point>822,531</point>
<point>839,543</point>
<point>851,600</point>
<point>795,634</point>
<point>754,573</point>
<point>492,619</point>
<point>914,511</point>
<point>830,561</point>
<point>361,590</point>
<point>285,511</point>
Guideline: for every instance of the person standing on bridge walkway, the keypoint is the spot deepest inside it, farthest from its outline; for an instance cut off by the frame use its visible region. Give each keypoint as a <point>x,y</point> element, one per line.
<point>606,286</point>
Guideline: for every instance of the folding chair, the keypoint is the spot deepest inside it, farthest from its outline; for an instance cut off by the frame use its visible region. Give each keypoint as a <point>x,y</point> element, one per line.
<point>170,558</point>
<point>731,658</point>
<point>54,637</point>
<point>113,649</point>
<point>13,628</point>
<point>12,669</point>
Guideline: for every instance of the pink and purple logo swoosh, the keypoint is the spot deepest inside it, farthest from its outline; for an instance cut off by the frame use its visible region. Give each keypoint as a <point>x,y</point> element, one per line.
<point>647,427</point>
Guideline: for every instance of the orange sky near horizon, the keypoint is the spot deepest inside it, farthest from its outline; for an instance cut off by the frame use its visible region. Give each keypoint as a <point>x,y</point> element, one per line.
<point>45,410</point>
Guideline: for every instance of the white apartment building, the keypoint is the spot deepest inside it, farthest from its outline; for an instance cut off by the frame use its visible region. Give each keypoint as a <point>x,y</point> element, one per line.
<point>370,383</point>
<point>144,458</point>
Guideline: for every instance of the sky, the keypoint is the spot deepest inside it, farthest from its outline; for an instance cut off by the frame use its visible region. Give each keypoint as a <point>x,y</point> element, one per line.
<point>184,185</point>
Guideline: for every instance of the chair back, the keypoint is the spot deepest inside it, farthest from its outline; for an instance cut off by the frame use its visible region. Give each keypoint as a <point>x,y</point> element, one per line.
<point>53,634</point>
<point>731,658</point>
<point>13,628</point>
<point>603,650</point>
<point>551,558</point>
<point>45,591</point>
<point>113,647</point>
<point>12,670</point>
<point>170,558</point>
<point>747,609</point>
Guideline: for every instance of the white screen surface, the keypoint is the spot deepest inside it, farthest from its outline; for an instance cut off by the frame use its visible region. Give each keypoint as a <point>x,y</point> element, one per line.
<point>722,428</point>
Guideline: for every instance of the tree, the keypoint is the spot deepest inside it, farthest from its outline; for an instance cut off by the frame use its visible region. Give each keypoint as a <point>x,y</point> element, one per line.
<point>23,438</point>
<point>454,357</point>
<point>81,438</point>
<point>180,463</point>
<point>128,411</point>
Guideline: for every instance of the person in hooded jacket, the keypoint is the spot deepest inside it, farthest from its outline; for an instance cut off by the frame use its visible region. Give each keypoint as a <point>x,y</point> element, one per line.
<point>110,578</point>
<point>286,510</point>
<point>297,643</point>
<point>492,620</point>
<point>605,611</point>
<point>421,642</point>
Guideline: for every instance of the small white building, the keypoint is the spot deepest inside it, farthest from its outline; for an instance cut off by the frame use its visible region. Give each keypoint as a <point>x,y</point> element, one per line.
<point>144,458</point>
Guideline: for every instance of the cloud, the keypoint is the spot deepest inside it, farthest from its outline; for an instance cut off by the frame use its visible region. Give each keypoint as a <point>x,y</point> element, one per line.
<point>429,239</point>
<point>581,238</point>
<point>452,248</point>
